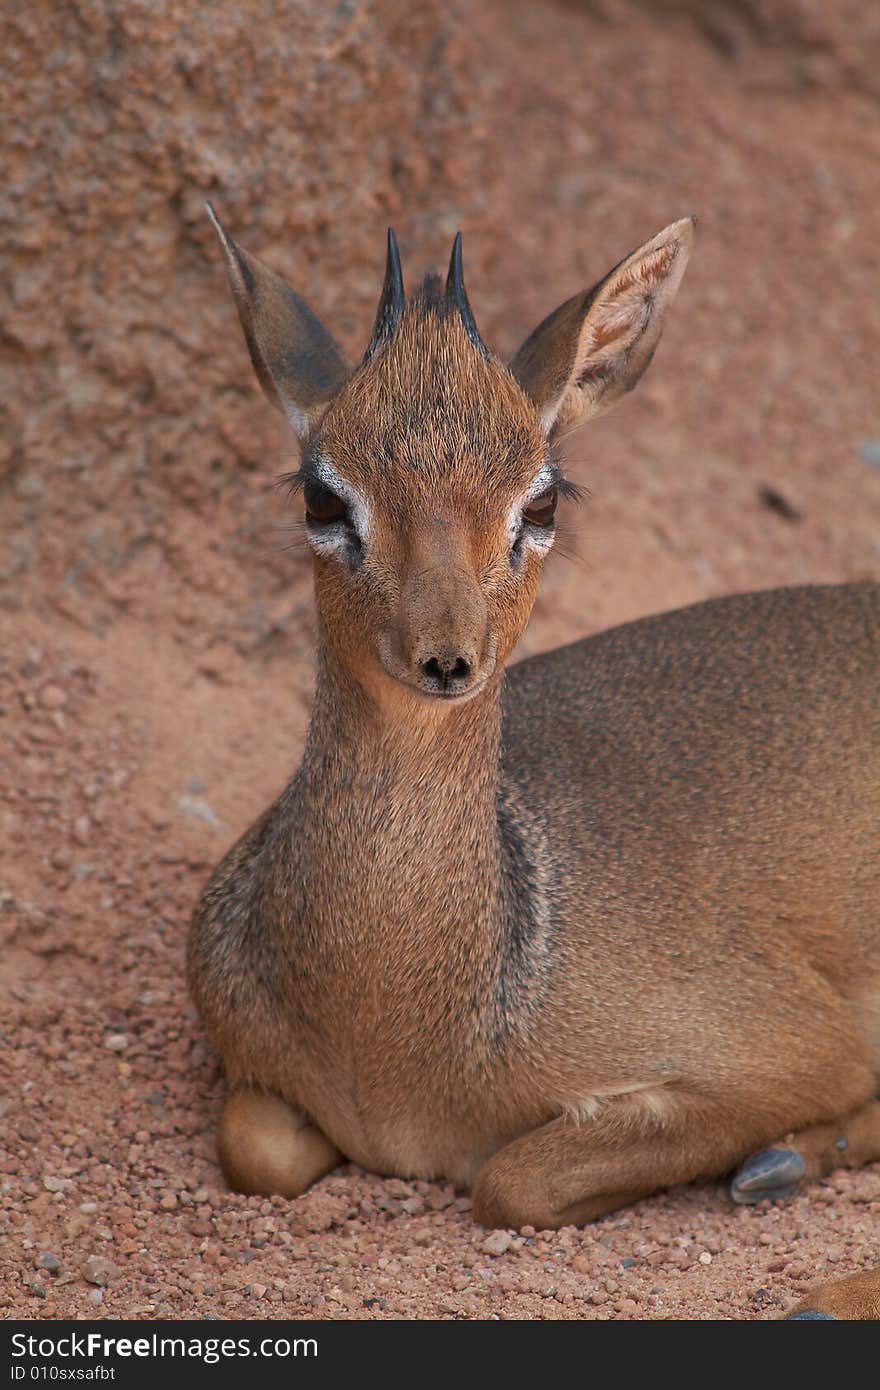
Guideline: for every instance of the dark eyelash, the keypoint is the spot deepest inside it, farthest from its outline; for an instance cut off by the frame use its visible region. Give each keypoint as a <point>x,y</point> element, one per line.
<point>292,482</point>
<point>570,491</point>
<point>567,489</point>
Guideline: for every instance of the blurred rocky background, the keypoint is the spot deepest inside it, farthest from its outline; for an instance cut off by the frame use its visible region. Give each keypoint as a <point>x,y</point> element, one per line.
<point>557,135</point>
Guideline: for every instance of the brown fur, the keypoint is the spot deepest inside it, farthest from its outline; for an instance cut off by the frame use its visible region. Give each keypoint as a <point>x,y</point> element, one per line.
<point>605,924</point>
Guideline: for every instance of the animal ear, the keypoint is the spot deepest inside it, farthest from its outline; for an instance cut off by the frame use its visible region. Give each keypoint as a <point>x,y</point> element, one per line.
<point>299,365</point>
<point>594,347</point>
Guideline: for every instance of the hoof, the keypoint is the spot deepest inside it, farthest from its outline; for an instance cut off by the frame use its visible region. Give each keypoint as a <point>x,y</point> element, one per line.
<point>772,1173</point>
<point>809,1313</point>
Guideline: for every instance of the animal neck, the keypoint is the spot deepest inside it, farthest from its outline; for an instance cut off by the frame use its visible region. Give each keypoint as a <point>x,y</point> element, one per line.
<point>396,810</point>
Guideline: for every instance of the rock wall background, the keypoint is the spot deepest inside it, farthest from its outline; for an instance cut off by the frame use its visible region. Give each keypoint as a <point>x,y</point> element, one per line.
<point>556,135</point>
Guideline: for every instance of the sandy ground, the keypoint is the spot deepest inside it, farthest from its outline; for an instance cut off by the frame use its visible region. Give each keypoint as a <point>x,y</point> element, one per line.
<point>156,665</point>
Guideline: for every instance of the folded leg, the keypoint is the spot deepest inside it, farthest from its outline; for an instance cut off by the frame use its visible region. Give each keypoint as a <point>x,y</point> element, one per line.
<point>571,1171</point>
<point>267,1146</point>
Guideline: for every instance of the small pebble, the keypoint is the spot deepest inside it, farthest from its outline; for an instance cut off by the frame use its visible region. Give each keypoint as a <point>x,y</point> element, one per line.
<point>99,1270</point>
<point>198,808</point>
<point>53,697</point>
<point>82,829</point>
<point>497,1243</point>
<point>29,487</point>
<point>869,450</point>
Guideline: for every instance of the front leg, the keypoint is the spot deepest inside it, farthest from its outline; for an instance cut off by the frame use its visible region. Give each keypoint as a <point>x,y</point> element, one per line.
<point>268,1147</point>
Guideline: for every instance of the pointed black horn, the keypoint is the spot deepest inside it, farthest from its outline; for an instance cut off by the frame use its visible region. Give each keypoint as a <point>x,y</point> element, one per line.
<point>391,300</point>
<point>457,295</point>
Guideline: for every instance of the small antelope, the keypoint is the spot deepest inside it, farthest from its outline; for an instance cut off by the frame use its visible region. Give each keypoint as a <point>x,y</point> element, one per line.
<point>569,933</point>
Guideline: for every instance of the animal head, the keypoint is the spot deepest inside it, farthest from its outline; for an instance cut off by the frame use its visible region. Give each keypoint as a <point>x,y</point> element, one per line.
<point>430,470</point>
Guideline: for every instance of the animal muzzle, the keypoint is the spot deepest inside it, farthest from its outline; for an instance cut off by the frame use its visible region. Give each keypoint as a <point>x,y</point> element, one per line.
<point>442,633</point>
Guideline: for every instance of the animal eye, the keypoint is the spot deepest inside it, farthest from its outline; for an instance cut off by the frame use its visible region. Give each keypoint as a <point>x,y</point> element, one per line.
<point>541,510</point>
<point>323,507</point>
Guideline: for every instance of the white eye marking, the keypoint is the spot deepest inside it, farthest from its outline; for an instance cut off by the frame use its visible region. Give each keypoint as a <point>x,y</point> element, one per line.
<point>334,537</point>
<point>529,536</point>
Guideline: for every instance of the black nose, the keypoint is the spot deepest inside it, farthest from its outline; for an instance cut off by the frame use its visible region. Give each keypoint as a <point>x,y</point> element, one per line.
<point>446,672</point>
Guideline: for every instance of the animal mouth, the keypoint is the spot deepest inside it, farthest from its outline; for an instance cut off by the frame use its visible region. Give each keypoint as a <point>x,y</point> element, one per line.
<point>449,697</point>
<point>456,697</point>
<point>402,674</point>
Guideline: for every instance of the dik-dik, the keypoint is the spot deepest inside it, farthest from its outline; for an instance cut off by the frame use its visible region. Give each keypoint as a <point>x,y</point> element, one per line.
<point>570,932</point>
